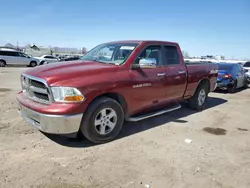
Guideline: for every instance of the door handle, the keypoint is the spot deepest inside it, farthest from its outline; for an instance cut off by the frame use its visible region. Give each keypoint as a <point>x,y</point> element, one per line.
<point>181,71</point>
<point>161,74</point>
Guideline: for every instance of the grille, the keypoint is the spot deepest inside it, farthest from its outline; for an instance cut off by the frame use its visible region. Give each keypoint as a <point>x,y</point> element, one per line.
<point>36,89</point>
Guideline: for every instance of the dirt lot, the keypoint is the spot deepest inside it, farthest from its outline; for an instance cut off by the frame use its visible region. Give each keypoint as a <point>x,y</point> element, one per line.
<point>151,153</point>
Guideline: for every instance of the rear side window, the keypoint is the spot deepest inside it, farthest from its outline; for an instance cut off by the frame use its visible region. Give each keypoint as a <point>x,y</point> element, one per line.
<point>171,55</point>
<point>8,53</point>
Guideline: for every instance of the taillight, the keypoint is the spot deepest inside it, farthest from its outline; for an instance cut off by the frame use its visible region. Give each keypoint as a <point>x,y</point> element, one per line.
<point>227,76</point>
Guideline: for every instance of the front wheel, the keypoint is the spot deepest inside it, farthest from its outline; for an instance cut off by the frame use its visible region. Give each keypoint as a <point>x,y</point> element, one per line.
<point>197,102</point>
<point>33,64</point>
<point>103,120</point>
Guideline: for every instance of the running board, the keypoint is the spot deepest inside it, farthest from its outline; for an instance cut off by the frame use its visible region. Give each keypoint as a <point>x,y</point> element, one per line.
<point>157,113</point>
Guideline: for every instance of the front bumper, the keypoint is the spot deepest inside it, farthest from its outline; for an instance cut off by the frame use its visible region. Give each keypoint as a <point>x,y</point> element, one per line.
<point>54,124</point>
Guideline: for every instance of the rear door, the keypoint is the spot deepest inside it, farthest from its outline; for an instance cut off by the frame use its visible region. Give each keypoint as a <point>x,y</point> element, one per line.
<point>10,57</point>
<point>176,73</point>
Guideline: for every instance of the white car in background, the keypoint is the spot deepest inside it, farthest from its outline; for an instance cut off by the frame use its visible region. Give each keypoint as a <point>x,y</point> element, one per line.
<point>246,66</point>
<point>44,59</point>
<point>14,57</point>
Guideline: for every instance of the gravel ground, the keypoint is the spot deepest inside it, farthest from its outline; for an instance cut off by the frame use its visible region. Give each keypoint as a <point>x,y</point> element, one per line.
<point>152,153</point>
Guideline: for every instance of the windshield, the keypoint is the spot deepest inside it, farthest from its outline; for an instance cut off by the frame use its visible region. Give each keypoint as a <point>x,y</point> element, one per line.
<point>225,67</point>
<point>110,53</point>
<point>247,64</point>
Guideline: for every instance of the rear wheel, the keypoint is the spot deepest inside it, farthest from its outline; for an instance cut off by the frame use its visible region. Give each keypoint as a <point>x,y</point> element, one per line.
<point>2,63</point>
<point>232,88</point>
<point>103,120</point>
<point>197,102</point>
<point>33,64</point>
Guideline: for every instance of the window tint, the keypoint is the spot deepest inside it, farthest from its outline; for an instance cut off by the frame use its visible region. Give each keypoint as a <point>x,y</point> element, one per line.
<point>171,55</point>
<point>150,52</point>
<point>247,64</point>
<point>239,69</point>
<point>22,55</point>
<point>8,53</point>
<point>226,67</point>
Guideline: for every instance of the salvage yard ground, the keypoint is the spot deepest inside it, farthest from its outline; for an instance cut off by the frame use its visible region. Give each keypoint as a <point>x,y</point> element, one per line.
<point>182,149</point>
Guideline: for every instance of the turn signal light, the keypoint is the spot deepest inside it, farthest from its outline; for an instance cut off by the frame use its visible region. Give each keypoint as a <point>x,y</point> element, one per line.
<point>76,98</point>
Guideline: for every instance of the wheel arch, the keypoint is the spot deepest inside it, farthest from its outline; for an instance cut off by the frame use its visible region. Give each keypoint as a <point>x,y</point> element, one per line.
<point>3,61</point>
<point>205,81</point>
<point>117,97</point>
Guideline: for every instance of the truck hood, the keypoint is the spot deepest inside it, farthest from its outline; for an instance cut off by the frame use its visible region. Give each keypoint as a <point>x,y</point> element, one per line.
<point>62,73</point>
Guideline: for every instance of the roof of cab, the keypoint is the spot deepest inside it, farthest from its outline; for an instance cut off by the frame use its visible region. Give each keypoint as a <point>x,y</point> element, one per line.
<point>141,41</point>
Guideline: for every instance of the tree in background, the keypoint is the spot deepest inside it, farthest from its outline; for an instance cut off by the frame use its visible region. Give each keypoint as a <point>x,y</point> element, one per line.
<point>185,54</point>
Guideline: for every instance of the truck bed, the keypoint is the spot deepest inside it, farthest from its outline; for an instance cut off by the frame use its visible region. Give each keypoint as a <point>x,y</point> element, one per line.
<point>195,72</point>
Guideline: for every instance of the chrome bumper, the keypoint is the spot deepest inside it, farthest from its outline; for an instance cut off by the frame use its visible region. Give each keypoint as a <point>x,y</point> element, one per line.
<point>54,124</point>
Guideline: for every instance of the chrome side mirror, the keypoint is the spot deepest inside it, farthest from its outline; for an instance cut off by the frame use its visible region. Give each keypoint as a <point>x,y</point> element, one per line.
<point>145,63</point>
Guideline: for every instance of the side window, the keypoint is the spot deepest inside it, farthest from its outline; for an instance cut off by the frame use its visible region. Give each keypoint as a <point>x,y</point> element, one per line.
<point>2,53</point>
<point>241,69</point>
<point>171,55</point>
<point>9,53</point>
<point>21,55</point>
<point>237,69</point>
<point>150,52</point>
<point>46,57</point>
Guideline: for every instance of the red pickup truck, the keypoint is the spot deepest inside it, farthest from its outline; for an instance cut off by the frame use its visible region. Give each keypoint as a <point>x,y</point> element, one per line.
<point>113,82</point>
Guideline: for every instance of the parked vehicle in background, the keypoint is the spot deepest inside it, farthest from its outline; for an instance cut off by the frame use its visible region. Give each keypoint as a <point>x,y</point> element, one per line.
<point>231,77</point>
<point>47,58</point>
<point>72,58</point>
<point>13,57</point>
<point>246,66</point>
<point>116,81</point>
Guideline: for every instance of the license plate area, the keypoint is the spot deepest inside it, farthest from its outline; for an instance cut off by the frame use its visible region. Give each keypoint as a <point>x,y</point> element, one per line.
<point>30,114</point>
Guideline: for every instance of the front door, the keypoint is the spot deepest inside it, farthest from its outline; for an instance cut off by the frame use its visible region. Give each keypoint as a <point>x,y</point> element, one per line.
<point>149,84</point>
<point>22,59</point>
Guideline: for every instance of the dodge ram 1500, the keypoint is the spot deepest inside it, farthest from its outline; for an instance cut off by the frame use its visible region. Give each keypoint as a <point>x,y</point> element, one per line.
<point>113,82</point>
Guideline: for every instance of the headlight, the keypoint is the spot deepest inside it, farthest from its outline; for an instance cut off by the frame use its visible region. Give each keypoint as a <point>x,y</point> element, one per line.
<point>67,94</point>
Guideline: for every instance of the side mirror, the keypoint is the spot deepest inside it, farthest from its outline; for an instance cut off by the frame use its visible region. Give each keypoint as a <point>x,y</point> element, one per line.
<point>145,63</point>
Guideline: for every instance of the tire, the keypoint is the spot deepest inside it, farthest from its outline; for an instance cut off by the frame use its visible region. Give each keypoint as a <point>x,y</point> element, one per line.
<point>246,84</point>
<point>197,102</point>
<point>233,88</point>
<point>42,62</point>
<point>2,63</point>
<point>96,121</point>
<point>33,64</point>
